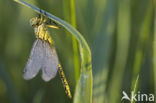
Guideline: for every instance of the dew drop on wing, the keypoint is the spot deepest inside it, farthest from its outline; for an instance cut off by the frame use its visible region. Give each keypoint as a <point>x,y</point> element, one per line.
<point>35,60</point>
<point>50,65</point>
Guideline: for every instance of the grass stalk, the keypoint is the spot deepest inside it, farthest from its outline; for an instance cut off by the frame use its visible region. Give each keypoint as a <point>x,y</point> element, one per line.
<point>135,86</point>
<point>70,16</point>
<point>74,41</point>
<point>154,47</point>
<point>123,35</point>
<point>143,39</point>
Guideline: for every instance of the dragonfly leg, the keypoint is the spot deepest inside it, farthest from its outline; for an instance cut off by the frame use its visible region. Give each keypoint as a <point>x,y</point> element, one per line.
<point>40,16</point>
<point>45,19</point>
<point>52,26</point>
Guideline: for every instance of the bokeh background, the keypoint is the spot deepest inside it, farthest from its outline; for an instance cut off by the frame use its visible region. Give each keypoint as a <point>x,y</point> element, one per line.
<point>120,34</point>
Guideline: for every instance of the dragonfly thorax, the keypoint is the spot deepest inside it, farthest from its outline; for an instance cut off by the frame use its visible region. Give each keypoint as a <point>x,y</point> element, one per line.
<point>42,33</point>
<point>40,29</point>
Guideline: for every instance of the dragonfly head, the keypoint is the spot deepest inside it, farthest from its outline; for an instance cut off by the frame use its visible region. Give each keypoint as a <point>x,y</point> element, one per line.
<point>34,22</point>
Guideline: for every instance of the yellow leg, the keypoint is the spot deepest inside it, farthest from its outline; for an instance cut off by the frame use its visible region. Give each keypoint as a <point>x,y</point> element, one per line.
<point>41,19</point>
<point>52,26</point>
<point>45,19</point>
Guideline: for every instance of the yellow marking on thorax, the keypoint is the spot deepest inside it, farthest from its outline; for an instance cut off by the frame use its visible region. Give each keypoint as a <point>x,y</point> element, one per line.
<point>42,33</point>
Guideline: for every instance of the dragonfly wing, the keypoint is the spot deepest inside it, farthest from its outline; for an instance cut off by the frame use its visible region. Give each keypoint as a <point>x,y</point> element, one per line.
<point>50,66</point>
<point>35,60</point>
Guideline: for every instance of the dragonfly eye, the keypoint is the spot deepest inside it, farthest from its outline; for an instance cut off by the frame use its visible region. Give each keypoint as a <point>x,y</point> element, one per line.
<point>35,22</point>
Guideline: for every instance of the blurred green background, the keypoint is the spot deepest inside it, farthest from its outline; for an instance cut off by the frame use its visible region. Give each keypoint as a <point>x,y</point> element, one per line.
<point>120,34</point>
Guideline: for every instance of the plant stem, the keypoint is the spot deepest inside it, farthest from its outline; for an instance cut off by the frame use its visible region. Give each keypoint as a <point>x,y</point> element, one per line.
<point>75,44</point>
<point>154,46</point>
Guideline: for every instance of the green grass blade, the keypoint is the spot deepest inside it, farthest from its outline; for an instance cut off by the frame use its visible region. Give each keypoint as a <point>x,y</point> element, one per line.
<point>135,87</point>
<point>105,27</point>
<point>142,42</point>
<point>154,47</point>
<point>70,16</point>
<point>83,93</point>
<point>75,44</point>
<point>123,39</point>
<point>38,98</point>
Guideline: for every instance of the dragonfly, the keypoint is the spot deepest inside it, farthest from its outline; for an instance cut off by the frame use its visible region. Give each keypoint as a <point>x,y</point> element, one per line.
<point>43,55</point>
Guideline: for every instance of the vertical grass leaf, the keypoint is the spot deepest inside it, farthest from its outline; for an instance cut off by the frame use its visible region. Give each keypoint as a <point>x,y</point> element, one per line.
<point>154,47</point>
